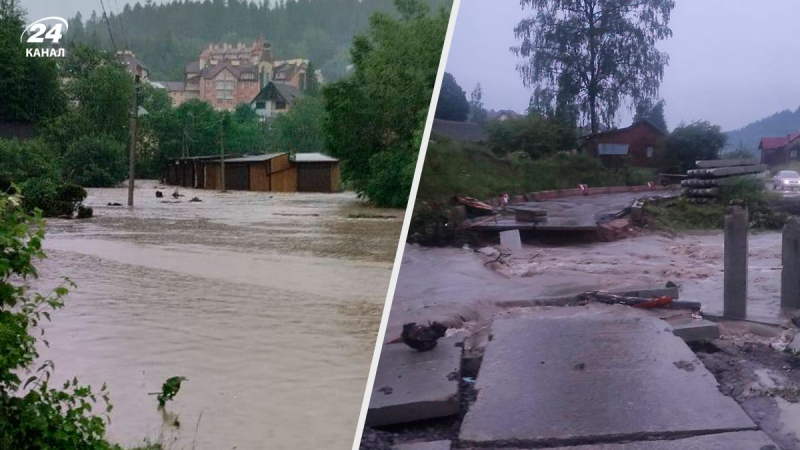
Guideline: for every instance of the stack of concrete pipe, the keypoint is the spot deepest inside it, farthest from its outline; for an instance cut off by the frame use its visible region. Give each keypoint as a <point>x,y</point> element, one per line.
<point>704,183</point>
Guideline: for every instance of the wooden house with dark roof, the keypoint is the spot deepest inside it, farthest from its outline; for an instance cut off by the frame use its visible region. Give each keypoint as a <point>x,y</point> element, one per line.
<point>634,145</point>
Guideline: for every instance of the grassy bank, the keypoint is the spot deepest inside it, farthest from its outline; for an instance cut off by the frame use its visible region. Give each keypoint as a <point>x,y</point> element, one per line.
<point>457,168</point>
<point>680,215</point>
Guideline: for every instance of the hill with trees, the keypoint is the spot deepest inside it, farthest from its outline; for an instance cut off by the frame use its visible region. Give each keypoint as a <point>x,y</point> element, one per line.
<point>165,37</point>
<point>778,124</point>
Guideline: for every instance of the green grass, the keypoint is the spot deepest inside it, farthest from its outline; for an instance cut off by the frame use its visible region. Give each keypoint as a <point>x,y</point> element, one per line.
<point>456,168</point>
<point>680,215</point>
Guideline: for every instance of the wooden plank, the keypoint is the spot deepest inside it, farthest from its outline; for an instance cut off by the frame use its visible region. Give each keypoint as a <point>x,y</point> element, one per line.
<point>284,181</point>
<point>259,179</point>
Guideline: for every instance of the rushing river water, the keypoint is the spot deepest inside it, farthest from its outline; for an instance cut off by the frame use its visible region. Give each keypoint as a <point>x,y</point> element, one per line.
<point>268,303</point>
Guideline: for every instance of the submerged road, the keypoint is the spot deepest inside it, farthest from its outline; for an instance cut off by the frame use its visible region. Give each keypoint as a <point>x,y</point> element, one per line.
<point>268,303</point>
<point>580,213</point>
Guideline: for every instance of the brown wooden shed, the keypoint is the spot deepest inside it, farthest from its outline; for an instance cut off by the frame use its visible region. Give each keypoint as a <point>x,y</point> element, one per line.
<point>635,144</point>
<point>316,172</point>
<point>269,172</point>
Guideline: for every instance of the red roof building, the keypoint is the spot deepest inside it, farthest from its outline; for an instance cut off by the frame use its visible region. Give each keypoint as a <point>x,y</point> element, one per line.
<point>779,150</point>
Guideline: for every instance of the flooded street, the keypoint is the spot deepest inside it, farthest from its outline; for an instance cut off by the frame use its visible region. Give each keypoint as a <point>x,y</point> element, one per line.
<point>448,283</point>
<point>268,303</point>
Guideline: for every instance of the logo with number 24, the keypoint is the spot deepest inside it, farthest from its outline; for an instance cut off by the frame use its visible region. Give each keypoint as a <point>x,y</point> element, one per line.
<point>39,32</point>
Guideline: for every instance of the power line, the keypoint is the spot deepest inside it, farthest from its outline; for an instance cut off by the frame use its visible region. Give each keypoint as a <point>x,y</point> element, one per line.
<point>108,24</point>
<point>122,25</point>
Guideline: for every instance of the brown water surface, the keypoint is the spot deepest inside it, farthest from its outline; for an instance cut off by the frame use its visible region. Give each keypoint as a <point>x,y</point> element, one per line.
<point>268,303</point>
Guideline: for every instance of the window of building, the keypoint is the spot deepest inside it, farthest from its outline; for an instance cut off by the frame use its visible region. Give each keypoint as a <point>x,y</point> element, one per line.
<point>280,104</point>
<point>793,154</point>
<point>650,152</point>
<point>612,149</point>
<point>225,89</point>
<point>261,105</point>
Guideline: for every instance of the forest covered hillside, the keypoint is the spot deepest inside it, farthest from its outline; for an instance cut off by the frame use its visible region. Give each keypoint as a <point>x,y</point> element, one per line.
<point>778,124</point>
<point>165,37</point>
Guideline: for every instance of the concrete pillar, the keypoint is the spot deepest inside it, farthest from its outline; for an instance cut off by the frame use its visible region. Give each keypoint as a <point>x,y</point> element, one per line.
<point>511,240</point>
<point>735,288</point>
<point>790,274</point>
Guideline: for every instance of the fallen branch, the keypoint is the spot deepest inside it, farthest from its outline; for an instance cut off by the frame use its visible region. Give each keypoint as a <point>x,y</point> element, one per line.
<point>638,302</point>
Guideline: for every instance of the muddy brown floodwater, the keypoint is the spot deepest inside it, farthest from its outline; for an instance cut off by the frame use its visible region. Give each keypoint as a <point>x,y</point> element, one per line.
<point>453,283</point>
<point>268,303</point>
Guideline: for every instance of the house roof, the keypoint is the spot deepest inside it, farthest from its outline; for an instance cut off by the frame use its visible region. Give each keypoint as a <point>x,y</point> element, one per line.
<point>172,86</point>
<point>209,72</point>
<point>772,143</point>
<point>628,128</point>
<point>313,157</point>
<point>272,90</point>
<point>503,112</point>
<point>130,61</point>
<point>254,158</point>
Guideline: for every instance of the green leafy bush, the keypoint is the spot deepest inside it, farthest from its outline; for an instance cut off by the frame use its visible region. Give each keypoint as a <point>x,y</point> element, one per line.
<point>53,198</point>
<point>95,161</point>
<point>34,413</point>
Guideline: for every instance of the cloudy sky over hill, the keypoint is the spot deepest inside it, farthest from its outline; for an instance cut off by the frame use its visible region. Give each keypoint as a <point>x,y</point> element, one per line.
<point>732,61</point>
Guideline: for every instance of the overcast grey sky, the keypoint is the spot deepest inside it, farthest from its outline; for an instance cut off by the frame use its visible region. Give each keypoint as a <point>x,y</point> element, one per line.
<point>38,9</point>
<point>731,61</point>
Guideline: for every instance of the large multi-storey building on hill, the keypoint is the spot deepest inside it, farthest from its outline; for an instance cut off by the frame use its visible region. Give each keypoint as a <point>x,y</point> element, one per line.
<point>227,75</point>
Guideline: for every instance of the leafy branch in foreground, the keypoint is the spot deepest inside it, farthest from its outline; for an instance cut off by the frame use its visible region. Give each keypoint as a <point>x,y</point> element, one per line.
<point>34,414</point>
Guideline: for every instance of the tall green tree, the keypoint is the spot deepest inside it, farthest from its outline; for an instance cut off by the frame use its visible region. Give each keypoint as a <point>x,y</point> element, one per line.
<point>534,135</point>
<point>29,87</point>
<point>653,113</point>
<point>596,52</point>
<point>477,113</point>
<point>452,104</point>
<point>375,117</point>
<point>301,128</point>
<point>689,143</point>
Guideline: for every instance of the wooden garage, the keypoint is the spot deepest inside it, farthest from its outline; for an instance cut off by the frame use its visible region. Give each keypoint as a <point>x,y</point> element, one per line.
<point>316,172</point>
<point>269,172</point>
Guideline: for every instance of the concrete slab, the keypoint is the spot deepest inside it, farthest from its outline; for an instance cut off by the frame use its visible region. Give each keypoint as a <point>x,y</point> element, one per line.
<point>434,445</point>
<point>693,330</point>
<point>511,240</point>
<point>570,380</point>
<point>742,440</point>
<point>411,385</point>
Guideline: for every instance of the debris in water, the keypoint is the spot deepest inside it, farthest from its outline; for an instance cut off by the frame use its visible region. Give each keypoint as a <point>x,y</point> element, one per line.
<point>476,205</point>
<point>159,194</point>
<point>422,337</point>
<point>114,204</point>
<point>170,389</point>
<point>195,199</point>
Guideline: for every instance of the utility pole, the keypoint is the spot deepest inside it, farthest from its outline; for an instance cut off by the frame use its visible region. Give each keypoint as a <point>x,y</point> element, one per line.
<point>134,115</point>
<point>222,154</point>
